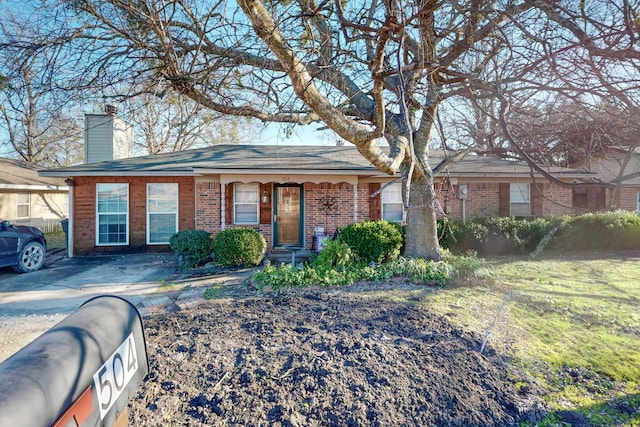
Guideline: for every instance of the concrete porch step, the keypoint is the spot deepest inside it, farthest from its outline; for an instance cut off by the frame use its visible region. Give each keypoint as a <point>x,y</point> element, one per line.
<point>284,255</point>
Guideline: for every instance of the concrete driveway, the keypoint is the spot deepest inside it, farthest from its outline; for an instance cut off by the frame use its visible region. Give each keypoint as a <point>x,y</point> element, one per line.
<point>63,286</point>
<point>32,303</point>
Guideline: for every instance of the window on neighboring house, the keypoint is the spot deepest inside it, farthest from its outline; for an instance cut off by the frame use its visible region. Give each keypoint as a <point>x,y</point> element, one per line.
<point>23,205</point>
<point>520,197</point>
<point>638,203</point>
<point>162,213</point>
<point>580,198</point>
<point>245,202</point>
<point>392,202</point>
<point>112,214</point>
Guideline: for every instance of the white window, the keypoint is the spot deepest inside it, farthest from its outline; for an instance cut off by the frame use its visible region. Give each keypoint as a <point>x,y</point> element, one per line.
<point>112,214</point>
<point>162,213</point>
<point>638,203</point>
<point>245,203</point>
<point>392,202</point>
<point>23,205</point>
<point>520,196</point>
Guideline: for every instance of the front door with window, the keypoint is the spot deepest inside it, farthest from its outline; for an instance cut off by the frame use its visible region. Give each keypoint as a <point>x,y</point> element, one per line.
<point>288,215</point>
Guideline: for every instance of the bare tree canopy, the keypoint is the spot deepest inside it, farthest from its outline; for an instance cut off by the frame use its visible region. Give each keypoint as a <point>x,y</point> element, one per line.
<point>370,70</point>
<point>35,118</point>
<point>175,123</point>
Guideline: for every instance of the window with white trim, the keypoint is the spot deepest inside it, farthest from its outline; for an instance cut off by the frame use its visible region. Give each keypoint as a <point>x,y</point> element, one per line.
<point>112,214</point>
<point>162,212</point>
<point>246,206</point>
<point>392,202</point>
<point>520,197</point>
<point>638,203</point>
<point>23,206</point>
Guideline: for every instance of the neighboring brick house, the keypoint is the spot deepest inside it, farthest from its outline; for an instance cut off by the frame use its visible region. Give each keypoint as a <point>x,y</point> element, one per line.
<point>29,199</point>
<point>285,192</point>
<point>610,166</point>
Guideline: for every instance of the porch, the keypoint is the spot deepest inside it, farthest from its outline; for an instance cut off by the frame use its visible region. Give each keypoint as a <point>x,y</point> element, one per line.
<point>289,253</point>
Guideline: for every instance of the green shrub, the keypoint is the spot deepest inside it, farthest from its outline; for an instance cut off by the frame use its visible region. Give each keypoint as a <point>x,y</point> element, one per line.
<point>523,234</point>
<point>402,229</point>
<point>336,255</point>
<point>463,236</point>
<point>447,232</point>
<point>414,269</point>
<point>498,235</point>
<point>376,241</point>
<point>239,247</point>
<point>420,270</point>
<point>193,246</point>
<point>602,230</point>
<point>467,267</point>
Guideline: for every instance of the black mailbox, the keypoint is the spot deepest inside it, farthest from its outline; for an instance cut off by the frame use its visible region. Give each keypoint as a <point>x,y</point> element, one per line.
<point>78,373</point>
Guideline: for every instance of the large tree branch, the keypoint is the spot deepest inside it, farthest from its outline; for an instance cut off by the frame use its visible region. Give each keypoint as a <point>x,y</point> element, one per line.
<point>360,135</point>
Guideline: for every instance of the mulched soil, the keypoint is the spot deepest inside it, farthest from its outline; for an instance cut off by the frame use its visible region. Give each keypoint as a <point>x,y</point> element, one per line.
<point>324,357</point>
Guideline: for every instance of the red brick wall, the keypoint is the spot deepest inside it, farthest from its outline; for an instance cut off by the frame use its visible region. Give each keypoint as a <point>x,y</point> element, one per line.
<point>556,200</point>
<point>84,201</point>
<point>208,212</point>
<point>207,202</point>
<point>483,200</point>
<point>315,213</point>
<point>200,206</point>
<point>628,198</point>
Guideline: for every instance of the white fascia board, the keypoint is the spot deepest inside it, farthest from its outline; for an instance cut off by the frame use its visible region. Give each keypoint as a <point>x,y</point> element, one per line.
<point>28,187</point>
<point>212,171</point>
<point>118,173</point>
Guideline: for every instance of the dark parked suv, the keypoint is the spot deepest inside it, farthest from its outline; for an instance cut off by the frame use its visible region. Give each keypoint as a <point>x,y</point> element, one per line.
<point>21,247</point>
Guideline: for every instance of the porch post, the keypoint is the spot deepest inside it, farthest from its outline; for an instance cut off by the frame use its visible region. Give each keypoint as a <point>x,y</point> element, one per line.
<point>223,204</point>
<point>70,222</point>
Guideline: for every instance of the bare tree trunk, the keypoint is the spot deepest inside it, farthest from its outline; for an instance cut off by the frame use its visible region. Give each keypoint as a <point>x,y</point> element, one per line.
<point>421,220</point>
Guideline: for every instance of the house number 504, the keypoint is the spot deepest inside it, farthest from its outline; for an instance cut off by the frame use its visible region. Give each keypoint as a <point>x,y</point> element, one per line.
<point>114,375</point>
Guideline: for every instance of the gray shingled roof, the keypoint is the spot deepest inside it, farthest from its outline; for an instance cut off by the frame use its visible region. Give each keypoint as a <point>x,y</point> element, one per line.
<point>21,175</point>
<point>265,159</point>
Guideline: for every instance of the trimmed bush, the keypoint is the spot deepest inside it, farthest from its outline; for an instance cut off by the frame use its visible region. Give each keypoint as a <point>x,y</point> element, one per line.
<point>376,241</point>
<point>497,235</point>
<point>603,230</point>
<point>618,230</point>
<point>193,246</point>
<point>239,247</point>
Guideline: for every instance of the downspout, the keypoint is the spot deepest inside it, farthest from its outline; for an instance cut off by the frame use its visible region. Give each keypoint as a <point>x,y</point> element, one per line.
<point>70,223</point>
<point>223,205</point>
<point>464,210</point>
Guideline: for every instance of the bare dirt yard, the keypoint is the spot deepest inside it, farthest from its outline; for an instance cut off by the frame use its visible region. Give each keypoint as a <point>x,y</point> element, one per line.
<point>324,357</point>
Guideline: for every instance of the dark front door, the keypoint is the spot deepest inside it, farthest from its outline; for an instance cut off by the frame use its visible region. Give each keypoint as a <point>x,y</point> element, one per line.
<point>288,215</point>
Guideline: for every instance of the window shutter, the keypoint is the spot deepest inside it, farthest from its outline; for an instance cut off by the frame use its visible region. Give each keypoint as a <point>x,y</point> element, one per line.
<point>265,208</point>
<point>536,199</point>
<point>504,199</point>
<point>375,203</point>
<point>228,208</point>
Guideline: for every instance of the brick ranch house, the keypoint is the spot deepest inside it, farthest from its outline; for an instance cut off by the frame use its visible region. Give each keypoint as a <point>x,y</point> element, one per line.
<point>288,193</point>
<point>611,165</point>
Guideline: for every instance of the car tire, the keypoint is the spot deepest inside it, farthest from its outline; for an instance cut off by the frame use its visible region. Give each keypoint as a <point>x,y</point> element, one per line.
<point>31,258</point>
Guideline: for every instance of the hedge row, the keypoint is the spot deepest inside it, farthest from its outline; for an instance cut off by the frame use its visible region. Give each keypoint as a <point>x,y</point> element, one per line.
<point>506,235</point>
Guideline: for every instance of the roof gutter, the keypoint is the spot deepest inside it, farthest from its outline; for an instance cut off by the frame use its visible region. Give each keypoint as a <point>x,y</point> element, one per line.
<point>29,187</point>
